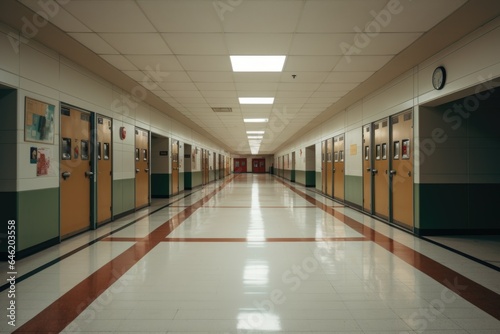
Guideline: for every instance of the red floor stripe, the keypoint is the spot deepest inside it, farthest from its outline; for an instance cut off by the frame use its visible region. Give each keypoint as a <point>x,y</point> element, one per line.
<point>480,296</point>
<point>64,310</point>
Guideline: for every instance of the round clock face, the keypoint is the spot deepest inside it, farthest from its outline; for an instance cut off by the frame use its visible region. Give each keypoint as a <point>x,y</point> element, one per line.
<point>439,77</point>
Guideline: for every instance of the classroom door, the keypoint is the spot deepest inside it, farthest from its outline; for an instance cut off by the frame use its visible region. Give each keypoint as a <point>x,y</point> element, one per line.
<point>338,167</point>
<point>323,166</point>
<point>76,171</point>
<point>367,169</point>
<point>329,167</point>
<point>381,169</point>
<point>141,168</point>
<point>402,169</point>
<point>175,167</point>
<point>104,169</point>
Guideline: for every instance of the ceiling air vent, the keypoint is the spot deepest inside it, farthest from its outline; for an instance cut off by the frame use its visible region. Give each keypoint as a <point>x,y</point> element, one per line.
<point>222,109</point>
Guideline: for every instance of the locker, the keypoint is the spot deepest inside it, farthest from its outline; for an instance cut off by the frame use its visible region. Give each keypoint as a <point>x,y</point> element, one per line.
<point>104,169</point>
<point>76,172</point>
<point>401,172</point>
<point>380,169</point>
<point>338,167</point>
<point>175,167</point>
<point>141,168</point>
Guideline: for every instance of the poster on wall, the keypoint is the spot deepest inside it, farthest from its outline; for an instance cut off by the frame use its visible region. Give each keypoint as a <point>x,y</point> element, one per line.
<point>44,155</point>
<point>39,121</point>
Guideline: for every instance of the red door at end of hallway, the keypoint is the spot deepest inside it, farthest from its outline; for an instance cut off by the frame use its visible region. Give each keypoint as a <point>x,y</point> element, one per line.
<point>141,168</point>
<point>240,165</point>
<point>258,165</point>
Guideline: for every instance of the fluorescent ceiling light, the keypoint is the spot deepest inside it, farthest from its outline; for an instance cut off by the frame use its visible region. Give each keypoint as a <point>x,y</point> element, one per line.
<point>257,63</point>
<point>255,132</point>
<point>256,100</point>
<point>255,137</point>
<point>255,120</point>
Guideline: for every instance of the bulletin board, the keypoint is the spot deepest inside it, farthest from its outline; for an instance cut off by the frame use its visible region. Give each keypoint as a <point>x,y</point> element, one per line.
<point>39,121</point>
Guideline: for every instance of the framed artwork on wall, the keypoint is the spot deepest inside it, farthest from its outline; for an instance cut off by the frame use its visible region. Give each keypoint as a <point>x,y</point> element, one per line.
<point>38,121</point>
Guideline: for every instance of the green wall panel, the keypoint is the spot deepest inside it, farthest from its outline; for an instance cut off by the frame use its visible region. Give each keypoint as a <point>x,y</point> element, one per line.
<point>160,185</point>
<point>181,181</point>
<point>354,189</point>
<point>38,217</point>
<point>310,178</point>
<point>461,207</point>
<point>188,180</point>
<point>123,196</point>
<point>8,212</point>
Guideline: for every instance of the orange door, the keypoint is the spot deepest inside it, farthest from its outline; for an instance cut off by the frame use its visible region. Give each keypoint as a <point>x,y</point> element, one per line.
<point>76,174</point>
<point>402,169</point>
<point>323,166</point>
<point>329,167</point>
<point>175,167</point>
<point>381,168</point>
<point>338,167</point>
<point>367,169</point>
<point>141,168</point>
<point>104,169</point>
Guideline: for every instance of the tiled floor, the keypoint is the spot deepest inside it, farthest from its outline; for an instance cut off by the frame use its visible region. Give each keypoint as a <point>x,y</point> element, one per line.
<point>252,254</point>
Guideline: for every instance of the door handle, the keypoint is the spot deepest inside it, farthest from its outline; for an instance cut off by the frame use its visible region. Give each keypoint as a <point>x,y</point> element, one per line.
<point>374,171</point>
<point>392,172</point>
<point>65,175</point>
<point>368,169</point>
<point>89,173</point>
<point>146,170</point>
<point>137,170</point>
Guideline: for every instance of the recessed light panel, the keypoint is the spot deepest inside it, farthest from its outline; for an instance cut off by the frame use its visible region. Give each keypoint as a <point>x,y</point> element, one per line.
<point>257,63</point>
<point>255,120</point>
<point>256,100</point>
<point>255,132</point>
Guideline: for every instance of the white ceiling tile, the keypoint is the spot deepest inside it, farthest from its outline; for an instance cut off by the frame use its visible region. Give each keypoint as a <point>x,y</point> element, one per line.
<point>320,44</point>
<point>291,86</point>
<point>292,93</point>
<point>261,16</point>
<point>155,62</point>
<point>185,93</point>
<point>222,101</point>
<point>139,44</point>
<point>256,77</point>
<point>182,16</point>
<point>337,87</point>
<point>303,77</point>
<point>94,42</point>
<point>120,62</point>
<point>329,93</point>
<point>258,44</point>
<point>310,63</point>
<point>189,100</point>
<point>348,76</point>
<point>110,16</point>
<point>174,76</point>
<point>205,63</point>
<point>196,44</point>
<point>225,86</point>
<point>290,100</point>
<point>321,100</point>
<point>210,76</point>
<point>171,86</point>
<point>337,16</point>
<point>219,93</point>
<point>252,86</point>
<point>362,63</point>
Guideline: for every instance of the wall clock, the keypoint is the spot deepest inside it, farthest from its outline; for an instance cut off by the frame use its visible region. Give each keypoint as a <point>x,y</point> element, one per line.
<point>439,77</point>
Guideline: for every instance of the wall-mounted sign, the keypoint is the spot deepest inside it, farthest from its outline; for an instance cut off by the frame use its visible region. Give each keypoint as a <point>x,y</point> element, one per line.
<point>38,121</point>
<point>123,133</point>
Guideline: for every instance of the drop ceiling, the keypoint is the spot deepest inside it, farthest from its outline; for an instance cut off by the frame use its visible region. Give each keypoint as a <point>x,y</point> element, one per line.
<point>179,50</point>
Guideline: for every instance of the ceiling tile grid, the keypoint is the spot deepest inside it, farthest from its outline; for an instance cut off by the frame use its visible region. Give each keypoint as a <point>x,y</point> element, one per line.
<point>180,51</point>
